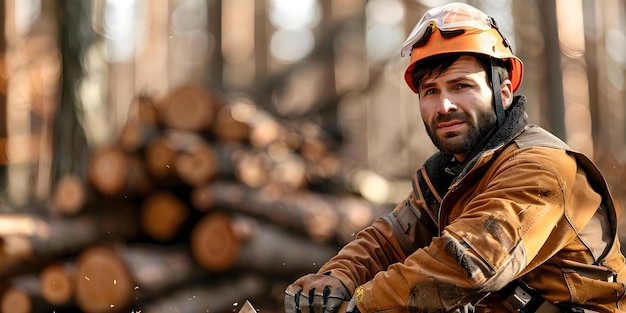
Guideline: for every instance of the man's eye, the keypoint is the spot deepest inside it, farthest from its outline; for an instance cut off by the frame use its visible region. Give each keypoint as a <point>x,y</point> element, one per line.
<point>429,91</point>
<point>461,86</point>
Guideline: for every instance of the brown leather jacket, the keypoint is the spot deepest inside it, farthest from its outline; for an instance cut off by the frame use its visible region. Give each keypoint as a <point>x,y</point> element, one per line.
<point>525,208</point>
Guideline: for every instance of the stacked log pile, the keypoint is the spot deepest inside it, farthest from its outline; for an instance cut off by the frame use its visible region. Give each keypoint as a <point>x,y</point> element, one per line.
<point>198,206</point>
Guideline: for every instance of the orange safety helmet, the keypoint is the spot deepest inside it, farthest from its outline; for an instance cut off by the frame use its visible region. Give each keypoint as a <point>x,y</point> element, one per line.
<point>462,28</point>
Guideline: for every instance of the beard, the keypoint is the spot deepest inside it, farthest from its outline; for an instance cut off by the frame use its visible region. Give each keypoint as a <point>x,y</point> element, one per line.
<point>455,143</point>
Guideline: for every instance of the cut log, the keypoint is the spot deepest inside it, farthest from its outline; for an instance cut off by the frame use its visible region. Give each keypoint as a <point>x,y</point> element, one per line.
<point>23,296</point>
<point>219,242</point>
<point>214,244</point>
<point>187,158</point>
<point>160,158</point>
<point>28,236</point>
<point>252,168</point>
<point>69,196</point>
<point>322,217</point>
<point>265,130</point>
<point>227,127</point>
<point>108,170</point>
<point>110,279</point>
<point>279,165</point>
<point>162,214</point>
<point>57,283</point>
<point>289,171</point>
<point>103,282</point>
<point>219,297</point>
<point>112,172</point>
<point>198,165</point>
<point>142,124</point>
<point>190,108</point>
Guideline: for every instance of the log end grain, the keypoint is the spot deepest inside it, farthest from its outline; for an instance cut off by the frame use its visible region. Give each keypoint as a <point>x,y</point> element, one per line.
<point>16,300</point>
<point>202,198</point>
<point>214,245</point>
<point>227,128</point>
<point>57,284</point>
<point>69,196</point>
<point>251,169</point>
<point>190,108</point>
<point>108,170</point>
<point>160,158</point>
<point>198,166</point>
<point>103,282</point>
<point>162,215</point>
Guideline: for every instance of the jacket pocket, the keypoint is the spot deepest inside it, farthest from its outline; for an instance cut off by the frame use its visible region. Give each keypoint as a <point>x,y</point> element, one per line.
<point>587,289</point>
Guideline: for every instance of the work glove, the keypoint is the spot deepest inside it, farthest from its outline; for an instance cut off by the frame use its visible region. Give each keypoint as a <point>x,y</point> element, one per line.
<point>315,293</point>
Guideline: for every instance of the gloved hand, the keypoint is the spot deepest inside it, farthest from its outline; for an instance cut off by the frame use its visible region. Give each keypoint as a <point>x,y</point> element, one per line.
<point>315,293</point>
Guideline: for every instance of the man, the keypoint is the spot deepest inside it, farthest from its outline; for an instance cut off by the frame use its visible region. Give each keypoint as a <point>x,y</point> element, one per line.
<point>504,218</point>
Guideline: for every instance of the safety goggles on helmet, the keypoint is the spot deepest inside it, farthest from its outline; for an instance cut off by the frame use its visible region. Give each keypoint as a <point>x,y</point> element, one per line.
<point>451,20</point>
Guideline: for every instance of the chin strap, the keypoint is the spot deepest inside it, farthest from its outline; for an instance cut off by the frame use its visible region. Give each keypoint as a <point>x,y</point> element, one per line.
<point>497,95</point>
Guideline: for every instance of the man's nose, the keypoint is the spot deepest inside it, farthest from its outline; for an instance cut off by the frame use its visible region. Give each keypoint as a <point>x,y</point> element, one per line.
<point>445,105</point>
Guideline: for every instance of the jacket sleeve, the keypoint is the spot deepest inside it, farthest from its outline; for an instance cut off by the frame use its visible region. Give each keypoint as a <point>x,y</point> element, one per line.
<point>388,240</point>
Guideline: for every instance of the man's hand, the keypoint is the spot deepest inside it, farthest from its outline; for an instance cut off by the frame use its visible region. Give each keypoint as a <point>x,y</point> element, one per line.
<point>315,293</point>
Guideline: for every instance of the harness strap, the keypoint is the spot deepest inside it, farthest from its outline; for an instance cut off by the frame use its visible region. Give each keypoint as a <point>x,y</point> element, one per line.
<point>495,82</point>
<point>519,297</point>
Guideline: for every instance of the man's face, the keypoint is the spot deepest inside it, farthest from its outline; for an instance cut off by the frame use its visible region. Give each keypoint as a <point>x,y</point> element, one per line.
<point>456,106</point>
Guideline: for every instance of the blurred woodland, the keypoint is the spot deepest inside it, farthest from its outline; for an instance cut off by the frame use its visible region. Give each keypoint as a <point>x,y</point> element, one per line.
<point>189,155</point>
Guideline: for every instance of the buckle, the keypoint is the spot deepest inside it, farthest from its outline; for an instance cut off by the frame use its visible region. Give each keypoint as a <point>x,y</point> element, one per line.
<point>519,298</point>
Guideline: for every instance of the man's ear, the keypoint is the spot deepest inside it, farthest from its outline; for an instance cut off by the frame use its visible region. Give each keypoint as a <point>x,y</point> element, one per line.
<point>506,89</point>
